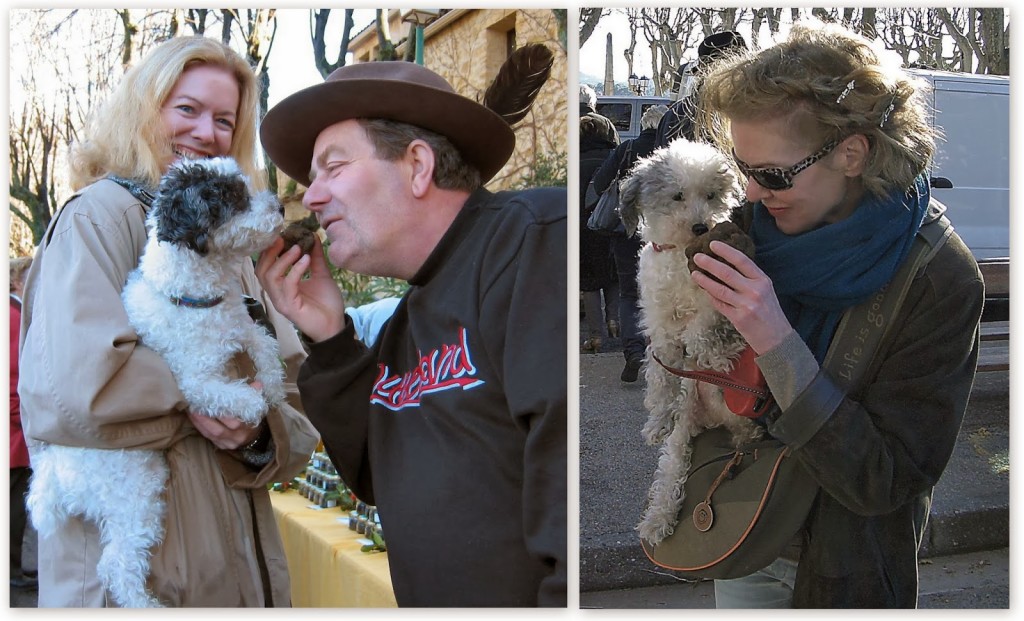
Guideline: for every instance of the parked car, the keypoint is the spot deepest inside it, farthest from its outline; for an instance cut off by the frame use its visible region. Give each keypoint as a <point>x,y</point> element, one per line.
<point>625,112</point>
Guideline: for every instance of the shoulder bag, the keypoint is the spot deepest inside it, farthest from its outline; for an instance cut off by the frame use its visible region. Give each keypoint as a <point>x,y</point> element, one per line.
<point>605,218</point>
<point>744,505</point>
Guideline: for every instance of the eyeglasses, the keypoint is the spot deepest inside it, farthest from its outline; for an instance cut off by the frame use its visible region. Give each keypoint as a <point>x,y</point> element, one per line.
<point>773,178</point>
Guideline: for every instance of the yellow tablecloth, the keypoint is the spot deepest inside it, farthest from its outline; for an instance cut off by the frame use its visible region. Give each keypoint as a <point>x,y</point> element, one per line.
<point>327,567</point>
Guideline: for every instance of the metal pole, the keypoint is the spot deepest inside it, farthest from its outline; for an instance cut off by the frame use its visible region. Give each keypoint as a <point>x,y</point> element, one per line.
<point>419,45</point>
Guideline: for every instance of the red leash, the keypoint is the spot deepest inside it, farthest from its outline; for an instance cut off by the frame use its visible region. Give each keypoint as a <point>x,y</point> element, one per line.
<point>753,400</point>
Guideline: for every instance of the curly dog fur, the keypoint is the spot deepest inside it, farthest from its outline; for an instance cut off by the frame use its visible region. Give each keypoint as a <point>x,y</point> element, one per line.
<point>205,220</point>
<point>672,196</point>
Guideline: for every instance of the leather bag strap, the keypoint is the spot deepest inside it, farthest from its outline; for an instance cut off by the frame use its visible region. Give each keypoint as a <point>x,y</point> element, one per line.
<point>866,326</point>
<point>713,377</point>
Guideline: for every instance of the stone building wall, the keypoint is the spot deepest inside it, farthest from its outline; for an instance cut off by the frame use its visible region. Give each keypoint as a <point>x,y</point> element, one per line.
<point>468,46</point>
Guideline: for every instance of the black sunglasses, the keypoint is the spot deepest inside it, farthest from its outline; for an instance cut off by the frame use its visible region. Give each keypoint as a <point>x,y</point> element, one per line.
<point>773,178</point>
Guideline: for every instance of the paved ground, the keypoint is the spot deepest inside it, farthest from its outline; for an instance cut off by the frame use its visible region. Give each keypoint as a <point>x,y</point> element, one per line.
<point>970,510</point>
<point>975,580</point>
<point>26,598</point>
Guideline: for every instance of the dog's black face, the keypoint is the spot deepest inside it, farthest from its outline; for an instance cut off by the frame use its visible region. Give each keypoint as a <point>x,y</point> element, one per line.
<point>194,200</point>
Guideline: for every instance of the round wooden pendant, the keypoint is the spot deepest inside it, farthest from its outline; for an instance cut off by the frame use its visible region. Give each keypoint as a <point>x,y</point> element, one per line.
<point>703,517</point>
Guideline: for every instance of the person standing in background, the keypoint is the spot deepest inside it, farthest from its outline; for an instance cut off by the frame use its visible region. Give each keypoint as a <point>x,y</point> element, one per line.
<point>21,470</point>
<point>626,250</point>
<point>598,282</point>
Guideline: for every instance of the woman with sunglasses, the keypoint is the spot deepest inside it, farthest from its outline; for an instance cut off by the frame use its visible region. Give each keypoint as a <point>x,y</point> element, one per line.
<point>834,140</point>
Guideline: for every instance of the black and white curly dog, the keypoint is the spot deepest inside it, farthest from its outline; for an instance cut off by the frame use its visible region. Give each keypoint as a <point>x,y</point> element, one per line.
<point>677,193</point>
<point>185,302</point>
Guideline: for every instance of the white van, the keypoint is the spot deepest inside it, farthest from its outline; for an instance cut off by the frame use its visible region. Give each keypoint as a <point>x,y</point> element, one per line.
<point>625,112</point>
<point>971,172</point>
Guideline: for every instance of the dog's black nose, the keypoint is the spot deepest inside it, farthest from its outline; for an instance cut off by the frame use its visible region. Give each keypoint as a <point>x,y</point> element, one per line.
<point>700,228</point>
<point>280,208</point>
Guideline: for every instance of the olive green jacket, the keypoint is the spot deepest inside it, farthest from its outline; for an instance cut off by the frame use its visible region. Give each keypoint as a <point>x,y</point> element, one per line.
<point>878,453</point>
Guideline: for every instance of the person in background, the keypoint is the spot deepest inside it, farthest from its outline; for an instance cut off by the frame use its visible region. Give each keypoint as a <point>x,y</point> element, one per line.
<point>599,284</point>
<point>369,318</point>
<point>453,424</point>
<point>833,137</point>
<point>626,250</point>
<point>678,121</point>
<point>88,380</point>
<point>21,470</point>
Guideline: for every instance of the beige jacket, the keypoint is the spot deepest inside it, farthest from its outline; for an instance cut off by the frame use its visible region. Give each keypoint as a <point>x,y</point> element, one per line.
<point>86,381</point>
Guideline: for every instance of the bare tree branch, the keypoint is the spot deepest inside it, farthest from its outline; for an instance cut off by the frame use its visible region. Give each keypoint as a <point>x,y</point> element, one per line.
<point>318,35</point>
<point>589,19</point>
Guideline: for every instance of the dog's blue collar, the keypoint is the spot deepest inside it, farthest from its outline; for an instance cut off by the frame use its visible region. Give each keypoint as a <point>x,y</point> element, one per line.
<point>196,303</point>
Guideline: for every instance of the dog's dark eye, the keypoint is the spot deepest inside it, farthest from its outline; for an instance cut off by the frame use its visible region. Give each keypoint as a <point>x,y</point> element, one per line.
<point>711,196</point>
<point>678,196</point>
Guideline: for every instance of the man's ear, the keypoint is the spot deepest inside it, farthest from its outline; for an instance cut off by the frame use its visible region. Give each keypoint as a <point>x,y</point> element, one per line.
<point>420,157</point>
<point>854,150</point>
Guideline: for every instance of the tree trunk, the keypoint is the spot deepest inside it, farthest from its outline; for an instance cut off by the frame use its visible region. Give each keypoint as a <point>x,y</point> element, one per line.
<point>129,31</point>
<point>588,22</point>
<point>965,45</point>
<point>867,23</point>
<point>995,41</point>
<point>386,47</point>
<point>196,19</point>
<point>225,28</point>
<point>319,35</point>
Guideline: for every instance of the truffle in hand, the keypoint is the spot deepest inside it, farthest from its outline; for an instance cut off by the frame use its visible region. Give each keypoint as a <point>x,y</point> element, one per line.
<point>299,234</point>
<point>726,232</point>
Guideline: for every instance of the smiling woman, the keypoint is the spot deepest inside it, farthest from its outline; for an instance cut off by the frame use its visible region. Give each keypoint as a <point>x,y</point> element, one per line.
<point>199,115</point>
<point>187,82</point>
<point>104,389</point>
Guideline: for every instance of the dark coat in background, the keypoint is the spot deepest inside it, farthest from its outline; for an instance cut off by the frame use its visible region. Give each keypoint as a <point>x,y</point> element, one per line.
<point>597,140</point>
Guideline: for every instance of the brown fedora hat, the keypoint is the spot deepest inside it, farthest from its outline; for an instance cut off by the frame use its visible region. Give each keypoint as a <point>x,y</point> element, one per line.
<point>395,90</point>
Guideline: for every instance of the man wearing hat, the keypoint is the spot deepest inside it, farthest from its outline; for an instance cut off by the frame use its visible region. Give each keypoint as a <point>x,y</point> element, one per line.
<point>678,121</point>
<point>454,423</point>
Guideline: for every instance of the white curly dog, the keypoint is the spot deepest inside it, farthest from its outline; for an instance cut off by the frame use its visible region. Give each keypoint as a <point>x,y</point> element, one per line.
<point>185,302</point>
<point>672,196</point>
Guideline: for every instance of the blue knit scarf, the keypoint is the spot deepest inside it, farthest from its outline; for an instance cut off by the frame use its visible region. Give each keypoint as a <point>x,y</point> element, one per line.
<point>819,274</point>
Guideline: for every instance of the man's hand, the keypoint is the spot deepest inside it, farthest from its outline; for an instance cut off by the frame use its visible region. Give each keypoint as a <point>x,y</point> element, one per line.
<point>745,296</point>
<point>314,305</point>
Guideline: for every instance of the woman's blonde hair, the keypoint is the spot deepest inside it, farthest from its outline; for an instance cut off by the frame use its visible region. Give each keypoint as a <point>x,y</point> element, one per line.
<point>126,136</point>
<point>829,83</point>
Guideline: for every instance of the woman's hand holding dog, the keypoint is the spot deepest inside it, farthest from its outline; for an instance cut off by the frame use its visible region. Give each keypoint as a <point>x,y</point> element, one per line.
<point>226,433</point>
<point>745,296</point>
<point>314,305</point>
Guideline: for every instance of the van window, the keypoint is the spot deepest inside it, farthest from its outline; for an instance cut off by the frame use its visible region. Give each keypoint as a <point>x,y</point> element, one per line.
<point>619,114</point>
<point>625,112</point>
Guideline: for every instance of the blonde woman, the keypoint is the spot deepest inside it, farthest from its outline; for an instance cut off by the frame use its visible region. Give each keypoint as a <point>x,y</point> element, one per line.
<point>86,380</point>
<point>832,136</point>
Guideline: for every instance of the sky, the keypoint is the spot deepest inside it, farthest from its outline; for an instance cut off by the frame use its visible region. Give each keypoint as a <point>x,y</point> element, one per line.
<point>291,60</point>
<point>592,53</point>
